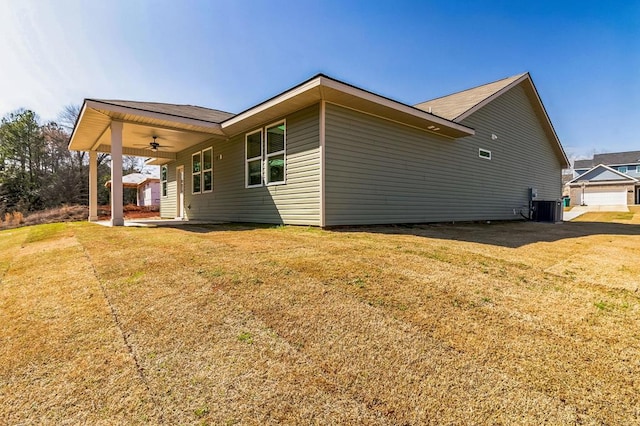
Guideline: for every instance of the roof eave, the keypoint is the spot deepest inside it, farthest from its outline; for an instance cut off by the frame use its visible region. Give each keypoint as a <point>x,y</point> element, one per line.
<point>323,88</point>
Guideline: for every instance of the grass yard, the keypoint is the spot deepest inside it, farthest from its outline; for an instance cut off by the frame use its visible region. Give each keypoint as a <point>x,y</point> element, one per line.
<point>630,217</point>
<point>508,323</point>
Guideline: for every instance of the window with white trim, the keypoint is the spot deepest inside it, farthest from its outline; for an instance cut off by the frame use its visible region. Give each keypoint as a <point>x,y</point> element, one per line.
<point>484,153</point>
<point>163,180</point>
<point>253,155</point>
<point>622,169</point>
<point>265,155</point>
<point>275,153</point>
<point>196,173</point>
<point>207,170</point>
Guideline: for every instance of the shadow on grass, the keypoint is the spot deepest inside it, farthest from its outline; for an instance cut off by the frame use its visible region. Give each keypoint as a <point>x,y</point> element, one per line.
<point>505,234</point>
<point>206,228</point>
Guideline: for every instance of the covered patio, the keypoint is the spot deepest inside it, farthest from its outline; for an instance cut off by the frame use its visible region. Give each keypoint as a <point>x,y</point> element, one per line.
<point>151,130</point>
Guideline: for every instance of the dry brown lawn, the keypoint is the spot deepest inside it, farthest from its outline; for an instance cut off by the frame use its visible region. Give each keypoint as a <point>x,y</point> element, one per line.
<point>630,217</point>
<point>508,323</point>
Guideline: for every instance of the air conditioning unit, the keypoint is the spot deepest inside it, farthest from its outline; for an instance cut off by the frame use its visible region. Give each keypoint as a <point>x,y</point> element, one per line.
<point>546,211</point>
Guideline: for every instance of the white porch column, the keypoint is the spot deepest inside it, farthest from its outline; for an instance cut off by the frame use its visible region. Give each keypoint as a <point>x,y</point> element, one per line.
<point>93,186</point>
<point>117,216</point>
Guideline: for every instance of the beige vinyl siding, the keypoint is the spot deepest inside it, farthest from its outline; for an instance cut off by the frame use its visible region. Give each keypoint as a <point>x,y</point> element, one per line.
<point>168,204</point>
<point>524,153</point>
<point>295,202</point>
<point>378,171</point>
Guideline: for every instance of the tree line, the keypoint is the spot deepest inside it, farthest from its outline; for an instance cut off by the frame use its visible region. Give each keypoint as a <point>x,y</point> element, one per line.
<point>37,170</point>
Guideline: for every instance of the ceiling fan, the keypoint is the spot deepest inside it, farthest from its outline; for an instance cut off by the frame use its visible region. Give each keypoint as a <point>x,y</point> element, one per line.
<point>154,145</point>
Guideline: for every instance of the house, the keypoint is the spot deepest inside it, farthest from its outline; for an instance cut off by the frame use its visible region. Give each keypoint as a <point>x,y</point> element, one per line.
<point>147,188</point>
<point>327,153</point>
<point>606,179</point>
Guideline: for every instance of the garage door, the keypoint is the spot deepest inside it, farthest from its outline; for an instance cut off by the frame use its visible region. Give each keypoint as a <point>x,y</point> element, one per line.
<point>611,198</point>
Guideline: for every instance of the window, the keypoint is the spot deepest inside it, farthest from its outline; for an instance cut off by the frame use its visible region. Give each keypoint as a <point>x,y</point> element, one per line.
<point>253,150</point>
<point>484,153</point>
<point>266,155</point>
<point>207,170</point>
<point>196,173</point>
<point>202,171</point>
<point>622,169</point>
<point>163,180</point>
<point>275,153</point>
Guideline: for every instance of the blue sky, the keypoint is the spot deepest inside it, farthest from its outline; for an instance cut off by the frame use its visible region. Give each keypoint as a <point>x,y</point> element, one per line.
<point>584,56</point>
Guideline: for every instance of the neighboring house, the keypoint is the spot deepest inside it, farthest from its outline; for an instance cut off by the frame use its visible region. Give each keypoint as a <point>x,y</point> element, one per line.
<point>147,188</point>
<point>606,179</point>
<point>326,153</point>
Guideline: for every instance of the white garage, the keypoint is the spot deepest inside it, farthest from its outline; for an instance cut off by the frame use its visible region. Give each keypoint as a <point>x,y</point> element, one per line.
<point>605,198</point>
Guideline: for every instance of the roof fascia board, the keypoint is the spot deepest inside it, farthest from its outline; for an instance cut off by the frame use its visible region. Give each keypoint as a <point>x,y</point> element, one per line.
<point>321,81</point>
<point>106,108</point>
<point>546,116</point>
<point>75,125</point>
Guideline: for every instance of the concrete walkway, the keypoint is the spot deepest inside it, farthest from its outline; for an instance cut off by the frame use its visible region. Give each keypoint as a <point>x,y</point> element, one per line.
<point>580,210</point>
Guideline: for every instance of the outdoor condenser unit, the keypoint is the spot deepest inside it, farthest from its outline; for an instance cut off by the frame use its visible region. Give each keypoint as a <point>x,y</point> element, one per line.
<point>546,211</point>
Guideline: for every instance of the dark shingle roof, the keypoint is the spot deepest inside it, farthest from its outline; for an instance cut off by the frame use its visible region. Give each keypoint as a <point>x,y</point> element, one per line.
<point>610,158</point>
<point>629,157</point>
<point>583,164</point>
<point>186,111</point>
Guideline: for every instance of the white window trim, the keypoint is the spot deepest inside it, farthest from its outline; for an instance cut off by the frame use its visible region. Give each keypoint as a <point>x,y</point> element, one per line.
<point>249,160</point>
<point>199,153</point>
<point>282,152</point>
<point>626,169</point>
<point>164,190</point>
<point>481,151</point>
<point>202,170</point>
